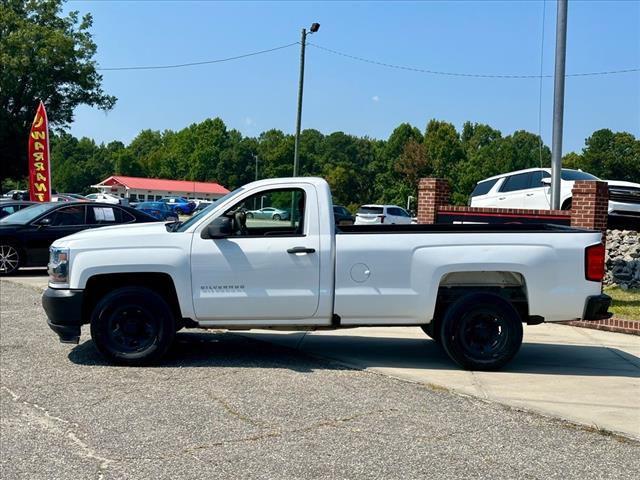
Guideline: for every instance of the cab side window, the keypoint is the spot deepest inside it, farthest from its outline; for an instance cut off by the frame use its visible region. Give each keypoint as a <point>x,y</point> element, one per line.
<point>269,213</point>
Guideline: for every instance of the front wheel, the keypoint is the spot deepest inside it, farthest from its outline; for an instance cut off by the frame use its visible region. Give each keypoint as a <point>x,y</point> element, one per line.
<point>276,217</point>
<point>481,331</point>
<point>10,259</point>
<point>132,326</point>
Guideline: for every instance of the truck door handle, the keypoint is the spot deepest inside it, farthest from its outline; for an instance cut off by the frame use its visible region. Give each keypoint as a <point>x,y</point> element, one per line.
<point>295,250</point>
<point>502,198</point>
<point>529,194</point>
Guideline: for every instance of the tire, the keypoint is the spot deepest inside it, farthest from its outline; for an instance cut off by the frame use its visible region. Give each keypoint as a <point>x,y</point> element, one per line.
<point>179,211</point>
<point>566,205</point>
<point>249,215</point>
<point>132,326</point>
<point>10,258</point>
<point>277,217</point>
<point>481,331</point>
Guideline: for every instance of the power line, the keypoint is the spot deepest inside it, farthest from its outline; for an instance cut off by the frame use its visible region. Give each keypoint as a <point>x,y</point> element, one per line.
<point>459,74</point>
<point>193,64</point>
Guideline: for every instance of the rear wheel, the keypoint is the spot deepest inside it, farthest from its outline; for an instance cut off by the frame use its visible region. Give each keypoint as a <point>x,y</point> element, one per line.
<point>10,258</point>
<point>481,331</point>
<point>132,326</point>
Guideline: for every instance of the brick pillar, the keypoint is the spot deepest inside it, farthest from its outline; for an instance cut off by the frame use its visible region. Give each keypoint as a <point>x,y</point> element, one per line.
<point>589,203</point>
<point>432,193</point>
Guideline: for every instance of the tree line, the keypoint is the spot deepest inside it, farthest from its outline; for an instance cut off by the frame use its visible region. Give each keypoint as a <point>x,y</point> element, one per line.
<point>359,169</point>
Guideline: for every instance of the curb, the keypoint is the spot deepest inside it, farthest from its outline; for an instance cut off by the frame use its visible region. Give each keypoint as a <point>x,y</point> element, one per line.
<point>616,325</point>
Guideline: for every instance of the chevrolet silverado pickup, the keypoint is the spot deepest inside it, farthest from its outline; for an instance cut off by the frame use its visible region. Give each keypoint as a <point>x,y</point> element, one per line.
<point>470,287</point>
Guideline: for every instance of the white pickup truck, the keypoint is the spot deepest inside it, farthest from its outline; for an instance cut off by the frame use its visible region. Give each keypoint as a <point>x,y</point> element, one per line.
<point>470,287</point>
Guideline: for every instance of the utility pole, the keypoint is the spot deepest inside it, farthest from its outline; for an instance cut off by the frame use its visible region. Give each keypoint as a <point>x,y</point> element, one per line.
<point>255,157</point>
<point>558,103</point>
<point>303,44</point>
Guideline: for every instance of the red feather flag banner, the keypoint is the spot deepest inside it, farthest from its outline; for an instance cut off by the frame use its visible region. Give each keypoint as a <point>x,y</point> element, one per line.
<point>39,166</point>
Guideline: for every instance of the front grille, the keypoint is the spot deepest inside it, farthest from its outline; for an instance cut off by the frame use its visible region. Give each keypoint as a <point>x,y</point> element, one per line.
<point>627,195</point>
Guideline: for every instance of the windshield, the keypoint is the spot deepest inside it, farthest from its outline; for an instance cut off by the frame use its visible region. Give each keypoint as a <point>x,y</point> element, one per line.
<point>195,218</point>
<point>25,215</point>
<point>577,175</point>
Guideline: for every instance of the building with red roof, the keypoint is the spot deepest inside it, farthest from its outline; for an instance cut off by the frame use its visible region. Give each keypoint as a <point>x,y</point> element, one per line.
<point>138,189</point>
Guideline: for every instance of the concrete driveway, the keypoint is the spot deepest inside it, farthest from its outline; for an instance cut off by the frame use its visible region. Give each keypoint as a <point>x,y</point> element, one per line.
<point>586,376</point>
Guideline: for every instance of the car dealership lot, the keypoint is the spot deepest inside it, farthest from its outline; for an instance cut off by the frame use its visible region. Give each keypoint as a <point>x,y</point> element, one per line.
<point>228,405</point>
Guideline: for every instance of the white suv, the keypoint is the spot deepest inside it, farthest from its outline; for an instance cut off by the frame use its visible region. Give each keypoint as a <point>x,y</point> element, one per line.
<point>388,214</point>
<point>531,189</point>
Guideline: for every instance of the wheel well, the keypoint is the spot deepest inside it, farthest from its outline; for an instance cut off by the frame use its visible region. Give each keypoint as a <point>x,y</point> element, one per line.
<point>509,285</point>
<point>99,285</point>
<point>566,205</point>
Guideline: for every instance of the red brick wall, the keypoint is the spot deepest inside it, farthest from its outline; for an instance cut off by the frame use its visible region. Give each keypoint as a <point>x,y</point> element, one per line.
<point>589,203</point>
<point>432,193</point>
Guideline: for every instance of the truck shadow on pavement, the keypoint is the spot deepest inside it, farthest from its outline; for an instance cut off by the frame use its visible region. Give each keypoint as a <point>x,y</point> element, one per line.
<point>302,353</point>
<point>193,349</point>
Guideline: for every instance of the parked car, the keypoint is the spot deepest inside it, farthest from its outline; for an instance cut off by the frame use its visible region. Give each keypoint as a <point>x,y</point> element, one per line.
<point>17,195</point>
<point>470,286</point>
<point>179,205</point>
<point>342,216</point>
<point>103,197</point>
<point>158,210</point>
<point>68,197</point>
<point>270,213</point>
<point>25,236</point>
<point>389,214</point>
<point>531,189</point>
<point>12,206</point>
<point>202,204</point>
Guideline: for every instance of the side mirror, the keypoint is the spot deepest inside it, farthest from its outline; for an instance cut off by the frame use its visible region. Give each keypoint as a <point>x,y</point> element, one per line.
<point>45,222</point>
<point>219,228</point>
<point>546,181</point>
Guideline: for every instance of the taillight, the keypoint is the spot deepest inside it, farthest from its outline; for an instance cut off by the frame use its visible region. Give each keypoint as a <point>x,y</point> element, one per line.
<point>381,218</point>
<point>594,262</point>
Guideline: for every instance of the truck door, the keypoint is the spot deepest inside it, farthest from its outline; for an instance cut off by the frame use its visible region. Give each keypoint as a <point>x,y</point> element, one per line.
<point>268,268</point>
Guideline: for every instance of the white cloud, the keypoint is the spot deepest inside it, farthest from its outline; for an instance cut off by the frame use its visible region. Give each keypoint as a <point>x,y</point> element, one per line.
<point>375,98</point>
<point>249,121</point>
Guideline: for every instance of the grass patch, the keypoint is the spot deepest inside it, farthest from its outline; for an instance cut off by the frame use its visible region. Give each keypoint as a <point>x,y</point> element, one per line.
<point>626,303</point>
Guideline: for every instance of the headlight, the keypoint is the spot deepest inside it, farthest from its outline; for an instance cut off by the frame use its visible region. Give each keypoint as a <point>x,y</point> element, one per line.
<point>58,266</point>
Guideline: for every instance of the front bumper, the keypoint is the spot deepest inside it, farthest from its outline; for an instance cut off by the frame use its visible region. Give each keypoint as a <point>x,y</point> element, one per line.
<point>596,307</point>
<point>64,312</point>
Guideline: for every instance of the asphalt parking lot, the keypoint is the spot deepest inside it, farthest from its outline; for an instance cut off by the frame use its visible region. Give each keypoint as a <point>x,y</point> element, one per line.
<point>225,405</point>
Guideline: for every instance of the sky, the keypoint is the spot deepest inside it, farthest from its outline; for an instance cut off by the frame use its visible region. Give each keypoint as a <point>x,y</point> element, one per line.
<point>258,93</point>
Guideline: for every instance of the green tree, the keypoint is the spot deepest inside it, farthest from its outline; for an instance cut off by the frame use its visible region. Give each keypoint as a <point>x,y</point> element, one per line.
<point>43,56</point>
<point>610,155</point>
<point>444,150</point>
